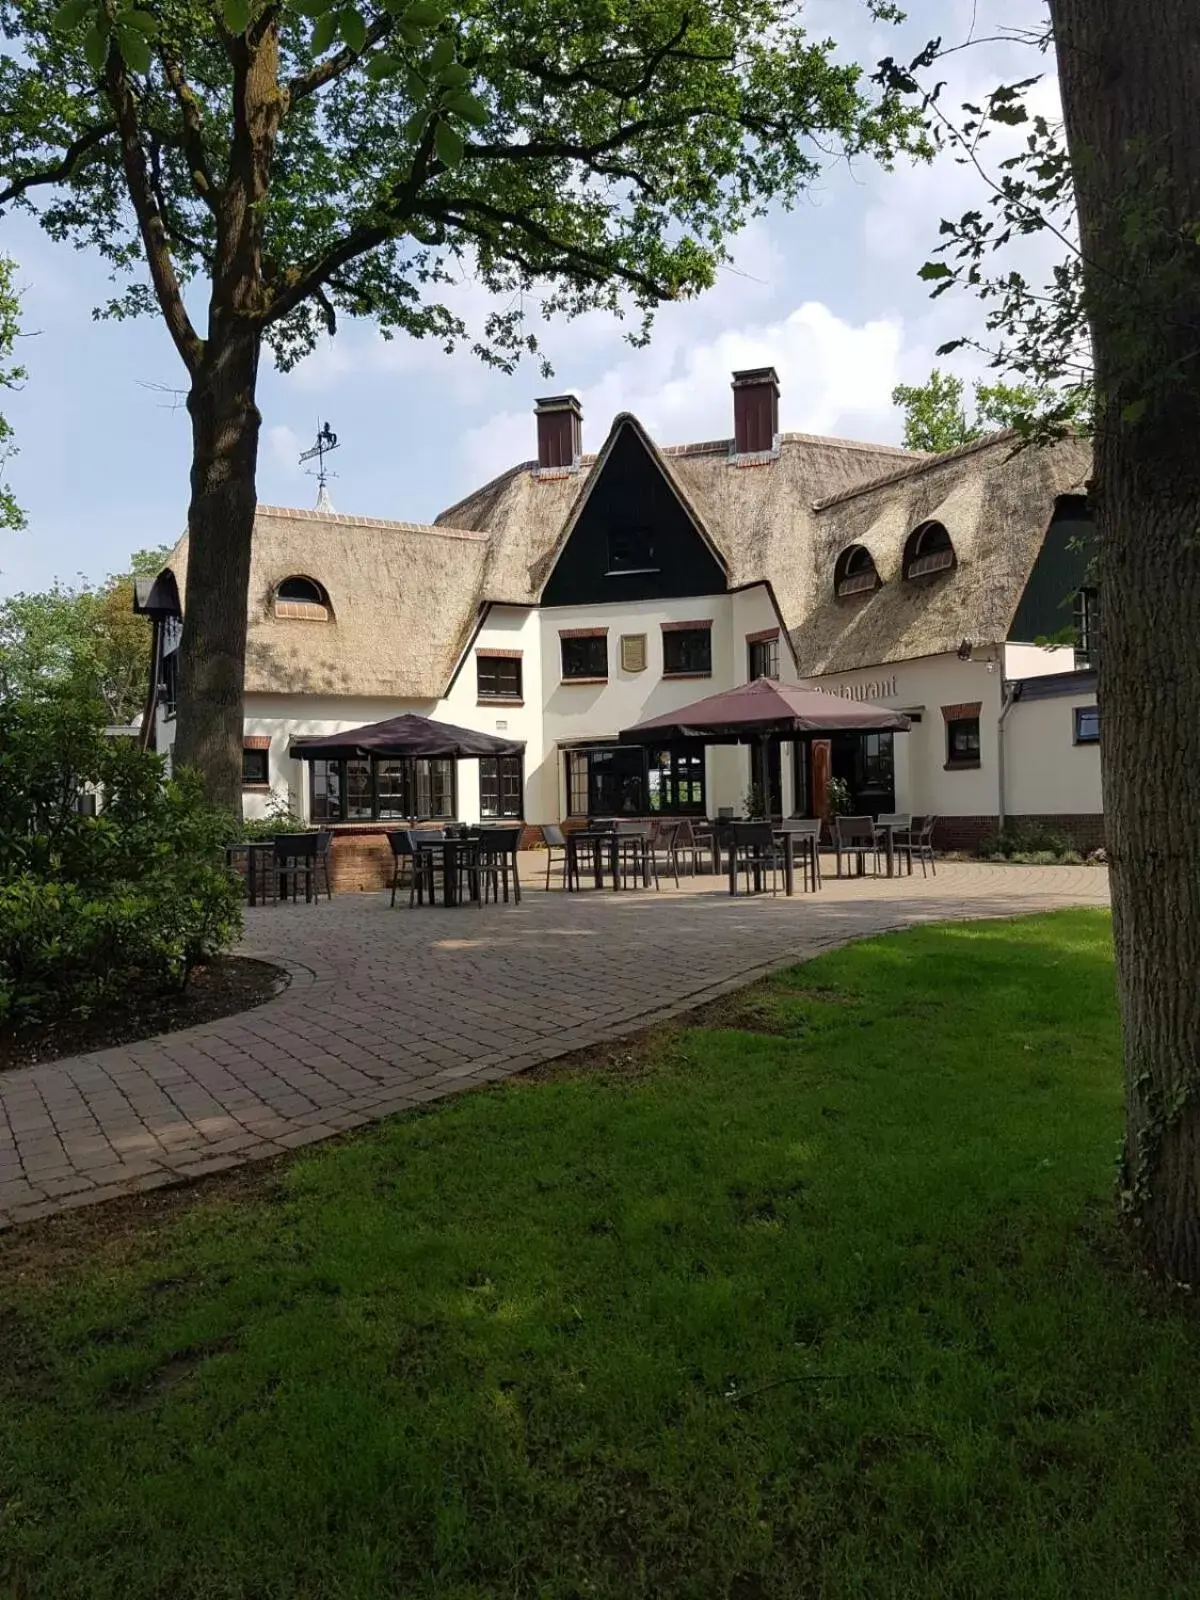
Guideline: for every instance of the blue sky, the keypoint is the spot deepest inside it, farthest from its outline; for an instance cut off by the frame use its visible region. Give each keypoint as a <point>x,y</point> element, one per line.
<point>827,293</point>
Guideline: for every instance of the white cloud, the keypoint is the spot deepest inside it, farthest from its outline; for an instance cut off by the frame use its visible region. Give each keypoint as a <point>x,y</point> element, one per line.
<point>751,279</point>
<point>835,377</point>
<point>283,446</point>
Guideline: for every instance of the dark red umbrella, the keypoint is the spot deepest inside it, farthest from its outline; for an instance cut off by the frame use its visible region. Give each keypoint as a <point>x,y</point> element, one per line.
<point>407,735</point>
<point>761,709</point>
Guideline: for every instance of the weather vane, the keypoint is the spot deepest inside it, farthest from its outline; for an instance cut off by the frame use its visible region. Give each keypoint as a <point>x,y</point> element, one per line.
<point>327,442</point>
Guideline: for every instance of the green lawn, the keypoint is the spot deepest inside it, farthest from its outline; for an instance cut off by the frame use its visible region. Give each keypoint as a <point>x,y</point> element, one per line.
<point>821,1298</point>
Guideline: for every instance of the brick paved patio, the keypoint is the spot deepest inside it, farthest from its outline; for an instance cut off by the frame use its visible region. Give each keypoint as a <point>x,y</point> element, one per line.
<point>388,1009</point>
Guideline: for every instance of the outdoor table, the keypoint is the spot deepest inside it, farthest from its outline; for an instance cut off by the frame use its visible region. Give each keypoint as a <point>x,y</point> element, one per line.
<point>789,875</point>
<point>452,851</point>
<point>889,829</point>
<point>254,850</point>
<point>789,859</point>
<point>599,839</point>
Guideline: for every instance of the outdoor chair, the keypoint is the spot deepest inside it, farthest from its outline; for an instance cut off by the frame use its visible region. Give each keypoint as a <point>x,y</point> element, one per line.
<point>899,823</point>
<point>324,848</point>
<point>664,842</point>
<point>921,842</point>
<point>401,845</point>
<point>755,852</point>
<point>555,839</point>
<point>296,858</point>
<point>635,855</point>
<point>496,859</point>
<point>857,836</point>
<point>807,833</point>
<point>689,847</point>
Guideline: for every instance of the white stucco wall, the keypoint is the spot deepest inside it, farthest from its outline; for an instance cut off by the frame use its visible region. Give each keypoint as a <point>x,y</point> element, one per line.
<point>552,711</point>
<point>581,711</point>
<point>923,786</point>
<point>284,717</point>
<point>504,628</point>
<point>1048,774</point>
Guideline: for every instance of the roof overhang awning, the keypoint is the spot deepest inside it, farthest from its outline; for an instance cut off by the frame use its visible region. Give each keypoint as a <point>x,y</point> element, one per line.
<point>765,709</point>
<point>407,735</point>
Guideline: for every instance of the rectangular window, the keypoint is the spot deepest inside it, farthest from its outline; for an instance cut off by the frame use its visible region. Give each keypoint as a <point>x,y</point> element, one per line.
<point>764,658</point>
<point>609,781</point>
<point>876,762</point>
<point>631,550</point>
<point>585,657</point>
<point>255,769</point>
<point>500,787</point>
<point>393,789</point>
<point>326,791</point>
<point>962,742</point>
<point>1087,725</point>
<point>387,789</point>
<point>360,804</point>
<point>801,781</point>
<point>687,651</point>
<point>434,787</point>
<point>675,782</point>
<point>499,677</point>
<point>1087,627</point>
<point>577,783</point>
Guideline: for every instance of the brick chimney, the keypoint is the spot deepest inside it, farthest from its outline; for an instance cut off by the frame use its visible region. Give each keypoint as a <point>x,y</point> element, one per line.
<point>755,410</point>
<point>559,431</point>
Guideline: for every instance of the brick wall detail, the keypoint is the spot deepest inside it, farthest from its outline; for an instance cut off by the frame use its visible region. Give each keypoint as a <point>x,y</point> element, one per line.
<point>1084,831</point>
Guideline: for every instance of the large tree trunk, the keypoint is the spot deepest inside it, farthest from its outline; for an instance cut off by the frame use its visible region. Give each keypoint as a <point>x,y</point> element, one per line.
<point>1130,75</point>
<point>225,428</point>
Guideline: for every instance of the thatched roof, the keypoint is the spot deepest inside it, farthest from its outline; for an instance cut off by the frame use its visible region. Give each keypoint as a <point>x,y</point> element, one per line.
<point>787,518</point>
<point>405,596</point>
<point>995,500</point>
<point>751,510</point>
<point>402,594</point>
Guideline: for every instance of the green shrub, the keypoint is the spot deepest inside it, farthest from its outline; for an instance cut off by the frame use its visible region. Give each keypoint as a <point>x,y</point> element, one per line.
<point>137,893</point>
<point>280,818</point>
<point>837,795</point>
<point>1031,845</point>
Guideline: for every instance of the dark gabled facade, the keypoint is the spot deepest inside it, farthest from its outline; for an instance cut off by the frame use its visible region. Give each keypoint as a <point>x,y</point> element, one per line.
<point>633,538</point>
<point>1047,606</point>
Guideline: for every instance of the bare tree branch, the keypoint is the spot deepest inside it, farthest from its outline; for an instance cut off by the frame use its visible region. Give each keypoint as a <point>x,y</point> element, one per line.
<point>151,224</point>
<point>574,258</point>
<point>586,75</point>
<point>62,170</point>
<point>327,311</point>
<point>314,274</point>
<point>309,82</point>
<point>175,229</point>
<point>193,126</point>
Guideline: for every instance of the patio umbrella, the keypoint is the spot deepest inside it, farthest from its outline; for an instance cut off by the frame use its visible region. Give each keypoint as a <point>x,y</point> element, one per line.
<point>407,735</point>
<point>762,709</point>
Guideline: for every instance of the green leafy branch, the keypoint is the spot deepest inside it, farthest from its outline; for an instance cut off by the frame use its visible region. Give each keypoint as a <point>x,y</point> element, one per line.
<point>435,79</point>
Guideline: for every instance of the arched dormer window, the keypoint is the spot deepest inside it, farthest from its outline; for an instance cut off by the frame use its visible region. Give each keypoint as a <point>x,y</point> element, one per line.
<point>928,551</point>
<point>855,572</point>
<point>302,597</point>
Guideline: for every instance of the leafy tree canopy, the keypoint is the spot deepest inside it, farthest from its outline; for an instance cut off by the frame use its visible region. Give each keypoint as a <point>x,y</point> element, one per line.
<point>11,375</point>
<point>83,639</point>
<point>605,148</point>
<point>935,417</point>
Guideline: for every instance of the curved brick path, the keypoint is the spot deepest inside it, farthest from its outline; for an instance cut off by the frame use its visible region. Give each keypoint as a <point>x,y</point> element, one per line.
<point>387,1009</point>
